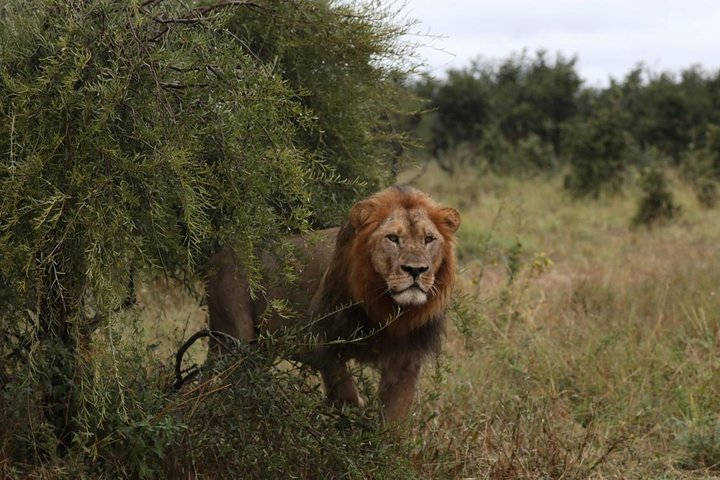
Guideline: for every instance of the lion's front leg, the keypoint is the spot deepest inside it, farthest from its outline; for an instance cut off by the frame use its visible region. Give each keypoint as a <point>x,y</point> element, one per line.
<point>398,383</point>
<point>339,385</point>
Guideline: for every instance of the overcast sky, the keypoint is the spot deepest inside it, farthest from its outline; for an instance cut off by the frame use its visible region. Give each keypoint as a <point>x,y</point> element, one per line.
<point>609,37</point>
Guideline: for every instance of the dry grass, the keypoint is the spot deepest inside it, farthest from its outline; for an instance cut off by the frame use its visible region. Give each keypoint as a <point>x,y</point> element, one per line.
<point>597,357</point>
<point>582,348</point>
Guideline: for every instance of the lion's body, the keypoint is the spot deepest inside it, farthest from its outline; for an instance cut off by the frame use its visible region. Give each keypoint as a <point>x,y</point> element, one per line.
<point>379,285</point>
<point>234,311</point>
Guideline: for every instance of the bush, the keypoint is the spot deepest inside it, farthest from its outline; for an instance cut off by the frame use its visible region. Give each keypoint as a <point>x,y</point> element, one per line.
<point>522,99</point>
<point>249,416</point>
<point>275,422</point>
<point>707,193</point>
<point>137,137</point>
<point>702,167</point>
<point>657,203</point>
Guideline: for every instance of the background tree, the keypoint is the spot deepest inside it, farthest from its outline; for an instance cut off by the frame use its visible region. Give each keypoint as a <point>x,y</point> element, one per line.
<point>496,106</point>
<point>701,165</point>
<point>600,151</point>
<point>508,112</point>
<point>535,96</point>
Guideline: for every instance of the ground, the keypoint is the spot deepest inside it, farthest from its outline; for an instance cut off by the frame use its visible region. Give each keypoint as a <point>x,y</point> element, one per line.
<point>580,347</point>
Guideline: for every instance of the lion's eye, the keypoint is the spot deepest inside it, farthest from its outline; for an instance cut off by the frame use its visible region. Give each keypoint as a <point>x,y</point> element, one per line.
<point>429,239</point>
<point>393,238</point>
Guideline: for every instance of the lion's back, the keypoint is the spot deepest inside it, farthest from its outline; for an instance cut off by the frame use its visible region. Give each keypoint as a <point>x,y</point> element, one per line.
<point>314,255</point>
<point>235,311</point>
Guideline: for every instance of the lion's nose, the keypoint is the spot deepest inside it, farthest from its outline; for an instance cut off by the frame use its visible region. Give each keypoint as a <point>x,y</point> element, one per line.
<point>414,271</point>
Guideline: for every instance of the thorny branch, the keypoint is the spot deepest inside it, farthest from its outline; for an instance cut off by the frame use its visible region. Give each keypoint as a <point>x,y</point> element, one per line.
<point>182,376</point>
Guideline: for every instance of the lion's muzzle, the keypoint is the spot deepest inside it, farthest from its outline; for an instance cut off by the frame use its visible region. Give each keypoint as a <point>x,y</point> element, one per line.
<point>411,296</point>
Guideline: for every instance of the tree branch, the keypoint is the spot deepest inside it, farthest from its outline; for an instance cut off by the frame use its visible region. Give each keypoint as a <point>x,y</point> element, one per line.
<point>196,15</point>
<point>182,376</point>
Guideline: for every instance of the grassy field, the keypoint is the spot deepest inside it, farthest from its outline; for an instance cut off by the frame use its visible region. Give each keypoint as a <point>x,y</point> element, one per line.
<point>585,348</point>
<point>580,347</point>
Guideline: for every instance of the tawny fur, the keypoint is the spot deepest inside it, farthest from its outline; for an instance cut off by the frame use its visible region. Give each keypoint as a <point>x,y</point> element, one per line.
<point>395,238</point>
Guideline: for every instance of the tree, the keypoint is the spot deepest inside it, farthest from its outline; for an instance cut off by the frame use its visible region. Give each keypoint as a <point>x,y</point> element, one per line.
<point>600,150</point>
<point>519,98</point>
<point>534,96</point>
<point>463,104</point>
<point>138,136</point>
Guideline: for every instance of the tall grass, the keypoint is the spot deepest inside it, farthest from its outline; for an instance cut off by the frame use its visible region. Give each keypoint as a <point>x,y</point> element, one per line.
<point>580,347</point>
<point>599,357</point>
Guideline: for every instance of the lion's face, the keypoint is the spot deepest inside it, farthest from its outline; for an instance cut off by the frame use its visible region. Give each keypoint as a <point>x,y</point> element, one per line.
<point>407,251</point>
<point>409,240</point>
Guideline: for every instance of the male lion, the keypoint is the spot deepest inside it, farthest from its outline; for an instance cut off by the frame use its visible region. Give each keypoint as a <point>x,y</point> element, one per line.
<point>375,290</point>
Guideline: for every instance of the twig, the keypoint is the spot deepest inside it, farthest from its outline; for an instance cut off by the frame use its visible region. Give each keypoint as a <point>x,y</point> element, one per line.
<point>181,86</point>
<point>196,15</point>
<point>179,379</point>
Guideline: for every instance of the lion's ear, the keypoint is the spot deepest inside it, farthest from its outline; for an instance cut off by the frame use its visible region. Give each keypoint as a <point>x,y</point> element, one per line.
<point>360,213</point>
<point>450,218</point>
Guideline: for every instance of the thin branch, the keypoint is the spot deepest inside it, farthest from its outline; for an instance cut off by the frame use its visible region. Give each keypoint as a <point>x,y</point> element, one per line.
<point>196,15</point>
<point>224,3</point>
<point>182,376</point>
<point>181,86</point>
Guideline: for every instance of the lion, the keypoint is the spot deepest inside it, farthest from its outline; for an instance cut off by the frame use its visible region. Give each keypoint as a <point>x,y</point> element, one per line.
<point>374,291</point>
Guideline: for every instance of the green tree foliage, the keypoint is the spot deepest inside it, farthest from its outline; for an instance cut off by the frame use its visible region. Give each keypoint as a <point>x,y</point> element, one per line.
<point>702,166</point>
<point>501,108</point>
<point>669,113</point>
<point>599,148</point>
<point>344,65</point>
<point>517,98</point>
<point>535,96</point>
<point>138,136</point>
<point>463,105</point>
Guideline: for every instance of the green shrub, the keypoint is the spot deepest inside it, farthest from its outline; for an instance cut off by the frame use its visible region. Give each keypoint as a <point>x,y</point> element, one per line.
<point>658,202</point>
<point>137,137</point>
<point>247,415</point>
<point>275,422</point>
<point>702,167</point>
<point>707,193</point>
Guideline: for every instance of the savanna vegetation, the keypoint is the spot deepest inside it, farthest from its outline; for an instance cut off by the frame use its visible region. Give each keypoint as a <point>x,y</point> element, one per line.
<point>137,137</point>
<point>530,114</point>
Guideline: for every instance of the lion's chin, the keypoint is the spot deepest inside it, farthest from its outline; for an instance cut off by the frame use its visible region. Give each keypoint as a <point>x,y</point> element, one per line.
<point>410,297</point>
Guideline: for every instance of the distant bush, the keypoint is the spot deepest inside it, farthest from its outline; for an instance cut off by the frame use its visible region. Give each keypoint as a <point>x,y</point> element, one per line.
<point>701,165</point>
<point>510,101</point>
<point>535,155</point>
<point>658,202</point>
<point>707,193</point>
<point>492,103</point>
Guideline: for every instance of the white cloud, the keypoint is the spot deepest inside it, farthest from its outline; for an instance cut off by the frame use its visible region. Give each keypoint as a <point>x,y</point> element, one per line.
<point>609,37</point>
